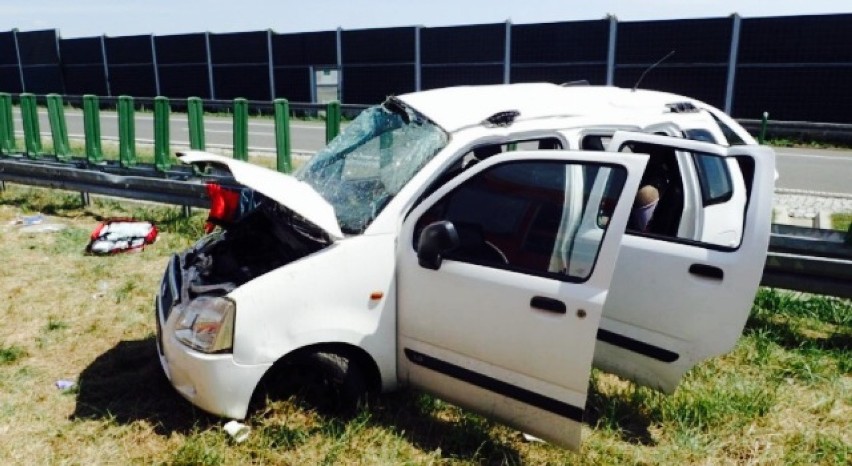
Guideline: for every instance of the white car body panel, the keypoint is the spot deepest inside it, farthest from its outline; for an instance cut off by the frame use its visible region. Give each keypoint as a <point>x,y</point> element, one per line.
<point>691,318</point>
<point>478,319</point>
<point>323,298</point>
<point>284,189</point>
<point>645,295</point>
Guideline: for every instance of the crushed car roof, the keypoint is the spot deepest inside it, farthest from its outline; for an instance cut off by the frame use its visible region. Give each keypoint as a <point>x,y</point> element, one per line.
<point>455,108</point>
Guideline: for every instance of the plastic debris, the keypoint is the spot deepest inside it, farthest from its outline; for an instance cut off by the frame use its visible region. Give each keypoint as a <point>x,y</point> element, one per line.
<point>35,224</point>
<point>238,431</point>
<point>65,384</point>
<point>532,438</point>
<point>28,220</point>
<point>121,235</point>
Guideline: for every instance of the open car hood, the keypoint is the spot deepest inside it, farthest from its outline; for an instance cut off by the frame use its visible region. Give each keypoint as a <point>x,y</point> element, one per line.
<point>291,193</point>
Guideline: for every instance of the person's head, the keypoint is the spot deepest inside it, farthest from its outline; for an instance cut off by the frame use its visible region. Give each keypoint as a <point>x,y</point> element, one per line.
<point>646,196</point>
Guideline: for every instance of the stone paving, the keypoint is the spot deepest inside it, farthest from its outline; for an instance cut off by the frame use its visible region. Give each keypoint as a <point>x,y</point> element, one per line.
<point>809,208</point>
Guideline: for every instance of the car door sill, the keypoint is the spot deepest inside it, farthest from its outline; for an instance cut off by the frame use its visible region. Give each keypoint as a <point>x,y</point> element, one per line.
<point>637,346</point>
<point>497,386</point>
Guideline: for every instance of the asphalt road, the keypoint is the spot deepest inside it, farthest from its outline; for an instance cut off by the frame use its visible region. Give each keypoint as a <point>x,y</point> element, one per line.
<point>806,169</point>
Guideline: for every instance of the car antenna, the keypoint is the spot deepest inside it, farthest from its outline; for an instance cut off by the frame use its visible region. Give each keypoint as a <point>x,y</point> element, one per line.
<point>635,86</point>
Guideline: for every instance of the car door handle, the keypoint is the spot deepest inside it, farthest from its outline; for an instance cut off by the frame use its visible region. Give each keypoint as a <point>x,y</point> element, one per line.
<point>548,304</point>
<point>707,271</point>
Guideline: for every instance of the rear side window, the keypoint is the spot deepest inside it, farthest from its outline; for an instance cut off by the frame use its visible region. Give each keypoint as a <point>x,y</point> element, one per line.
<point>714,177</point>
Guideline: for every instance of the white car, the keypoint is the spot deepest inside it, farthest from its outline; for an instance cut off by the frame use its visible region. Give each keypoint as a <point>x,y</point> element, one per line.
<point>476,243</point>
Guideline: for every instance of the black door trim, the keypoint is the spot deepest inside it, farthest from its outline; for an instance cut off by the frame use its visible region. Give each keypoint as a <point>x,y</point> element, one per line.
<point>497,386</point>
<point>630,344</point>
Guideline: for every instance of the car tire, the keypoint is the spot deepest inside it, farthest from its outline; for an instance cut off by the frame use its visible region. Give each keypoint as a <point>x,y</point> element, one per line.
<point>328,381</point>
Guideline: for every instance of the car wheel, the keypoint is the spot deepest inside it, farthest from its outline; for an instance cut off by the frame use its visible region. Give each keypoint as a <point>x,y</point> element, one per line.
<point>327,381</point>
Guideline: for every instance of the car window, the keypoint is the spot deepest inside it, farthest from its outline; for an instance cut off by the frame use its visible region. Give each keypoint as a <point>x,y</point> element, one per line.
<point>714,177</point>
<point>527,216</point>
<point>660,208</point>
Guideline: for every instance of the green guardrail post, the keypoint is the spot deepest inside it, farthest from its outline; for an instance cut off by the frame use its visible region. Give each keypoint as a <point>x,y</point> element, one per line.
<point>764,122</point>
<point>282,136</point>
<point>332,120</point>
<point>7,125</point>
<point>195,114</point>
<point>162,109</point>
<point>58,128</point>
<point>240,129</point>
<point>92,125</point>
<point>126,131</point>
<point>32,132</point>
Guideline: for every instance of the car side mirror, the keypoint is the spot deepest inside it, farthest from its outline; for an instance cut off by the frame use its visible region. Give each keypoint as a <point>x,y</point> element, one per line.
<point>436,240</point>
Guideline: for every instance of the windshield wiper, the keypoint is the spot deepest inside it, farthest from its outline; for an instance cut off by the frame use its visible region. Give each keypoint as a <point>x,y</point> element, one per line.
<point>394,105</point>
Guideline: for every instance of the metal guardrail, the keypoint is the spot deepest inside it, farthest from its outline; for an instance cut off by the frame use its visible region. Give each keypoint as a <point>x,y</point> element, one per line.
<point>829,133</point>
<point>810,260</point>
<point>801,259</point>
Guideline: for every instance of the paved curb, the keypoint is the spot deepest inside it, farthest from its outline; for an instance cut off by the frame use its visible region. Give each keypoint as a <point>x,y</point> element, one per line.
<point>804,192</point>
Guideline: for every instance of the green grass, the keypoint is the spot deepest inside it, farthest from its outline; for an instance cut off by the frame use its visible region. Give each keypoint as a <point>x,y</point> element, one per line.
<point>841,221</point>
<point>782,396</point>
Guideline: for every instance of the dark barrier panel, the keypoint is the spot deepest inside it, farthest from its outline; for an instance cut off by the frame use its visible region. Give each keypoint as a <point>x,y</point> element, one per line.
<point>239,47</point>
<point>241,65</point>
<point>247,81</point>
<point>307,48</point>
<point>294,54</point>
<point>698,67</point>
<point>378,46</point>
<point>796,68</point>
<point>40,60</point>
<point>43,79</point>
<point>558,74</point>
<point>181,49</point>
<point>579,42</point>
<point>560,52</point>
<point>794,94</point>
<point>463,44</point>
<point>10,76</point>
<point>705,83</point>
<point>184,81</point>
<point>293,84</point>
<point>371,84</point>
<point>693,40</point>
<point>459,75</point>
<point>796,39</point>
<point>182,66</point>
<point>83,66</point>
<point>131,66</point>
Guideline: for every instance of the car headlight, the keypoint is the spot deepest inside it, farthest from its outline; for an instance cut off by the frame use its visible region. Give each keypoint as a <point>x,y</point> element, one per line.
<point>207,324</point>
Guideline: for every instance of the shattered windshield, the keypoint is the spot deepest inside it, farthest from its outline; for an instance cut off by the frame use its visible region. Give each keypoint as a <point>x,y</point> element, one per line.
<point>364,167</point>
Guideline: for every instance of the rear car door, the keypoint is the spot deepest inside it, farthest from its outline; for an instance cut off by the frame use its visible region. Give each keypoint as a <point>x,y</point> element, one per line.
<point>492,316</point>
<point>680,296</point>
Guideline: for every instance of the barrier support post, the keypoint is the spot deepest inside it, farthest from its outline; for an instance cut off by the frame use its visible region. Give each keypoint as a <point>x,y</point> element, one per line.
<point>332,120</point>
<point>161,133</point>
<point>126,132</point>
<point>7,125</point>
<point>241,129</point>
<point>32,133</point>
<point>195,114</point>
<point>92,126</point>
<point>284,162</point>
<point>58,127</point>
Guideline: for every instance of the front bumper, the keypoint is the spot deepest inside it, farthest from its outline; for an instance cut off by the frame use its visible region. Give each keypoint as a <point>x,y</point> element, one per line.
<point>213,382</point>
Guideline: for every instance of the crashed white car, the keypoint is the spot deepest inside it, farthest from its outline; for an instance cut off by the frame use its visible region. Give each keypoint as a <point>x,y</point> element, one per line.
<point>479,244</point>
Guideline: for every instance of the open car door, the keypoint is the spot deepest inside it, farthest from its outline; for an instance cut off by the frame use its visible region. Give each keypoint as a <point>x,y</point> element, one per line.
<point>681,295</point>
<point>492,315</point>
